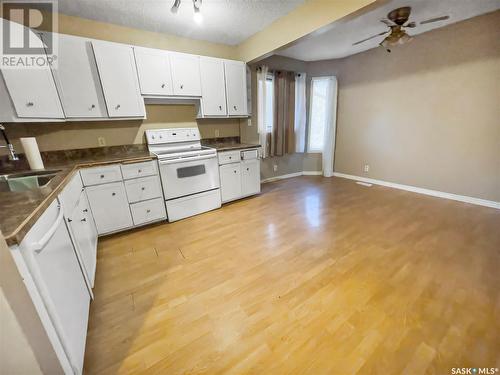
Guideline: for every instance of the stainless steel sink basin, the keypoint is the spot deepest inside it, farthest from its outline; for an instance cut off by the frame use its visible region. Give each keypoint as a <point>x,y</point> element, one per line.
<point>26,180</point>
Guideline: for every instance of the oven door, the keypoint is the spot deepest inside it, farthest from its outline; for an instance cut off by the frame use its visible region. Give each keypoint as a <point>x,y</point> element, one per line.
<point>186,176</point>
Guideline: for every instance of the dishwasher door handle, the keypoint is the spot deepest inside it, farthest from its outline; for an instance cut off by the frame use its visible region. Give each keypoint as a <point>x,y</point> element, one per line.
<point>40,244</point>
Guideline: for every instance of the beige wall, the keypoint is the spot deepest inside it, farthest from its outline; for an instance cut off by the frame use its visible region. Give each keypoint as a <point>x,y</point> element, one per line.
<point>71,135</point>
<point>426,115</point>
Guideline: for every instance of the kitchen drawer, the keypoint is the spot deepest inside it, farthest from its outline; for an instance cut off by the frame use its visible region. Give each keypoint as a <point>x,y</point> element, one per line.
<point>101,175</point>
<point>229,157</point>
<point>141,189</point>
<point>250,154</point>
<point>136,170</point>
<point>147,211</point>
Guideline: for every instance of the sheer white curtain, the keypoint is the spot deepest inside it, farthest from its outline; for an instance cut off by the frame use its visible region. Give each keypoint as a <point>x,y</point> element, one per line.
<point>330,128</point>
<point>262,101</point>
<point>300,112</point>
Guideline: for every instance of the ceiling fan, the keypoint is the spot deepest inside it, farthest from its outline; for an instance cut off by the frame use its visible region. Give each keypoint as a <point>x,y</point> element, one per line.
<point>397,21</point>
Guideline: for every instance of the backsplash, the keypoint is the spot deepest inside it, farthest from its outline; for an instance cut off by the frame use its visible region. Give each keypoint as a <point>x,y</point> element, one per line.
<point>78,135</point>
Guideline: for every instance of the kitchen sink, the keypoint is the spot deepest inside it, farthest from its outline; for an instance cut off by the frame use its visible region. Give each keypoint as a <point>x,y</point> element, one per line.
<point>24,181</point>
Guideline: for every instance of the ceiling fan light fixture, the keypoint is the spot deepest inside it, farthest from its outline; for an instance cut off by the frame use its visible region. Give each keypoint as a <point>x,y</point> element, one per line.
<point>197,16</point>
<point>175,7</point>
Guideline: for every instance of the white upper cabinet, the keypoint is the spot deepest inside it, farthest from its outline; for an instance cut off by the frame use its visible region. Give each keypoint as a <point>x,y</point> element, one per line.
<point>118,75</point>
<point>153,68</point>
<point>32,90</point>
<point>77,79</point>
<point>213,87</point>
<point>185,74</point>
<point>236,88</point>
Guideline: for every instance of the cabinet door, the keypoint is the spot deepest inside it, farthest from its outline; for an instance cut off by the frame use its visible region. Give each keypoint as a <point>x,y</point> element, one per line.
<point>153,68</point>
<point>213,87</point>
<point>119,81</point>
<point>236,88</point>
<point>77,79</point>
<point>110,207</point>
<point>230,181</point>
<point>185,74</point>
<point>250,177</point>
<point>32,90</point>
<point>84,234</point>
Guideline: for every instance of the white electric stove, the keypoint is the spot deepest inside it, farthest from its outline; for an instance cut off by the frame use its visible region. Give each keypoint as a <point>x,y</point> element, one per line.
<point>189,171</point>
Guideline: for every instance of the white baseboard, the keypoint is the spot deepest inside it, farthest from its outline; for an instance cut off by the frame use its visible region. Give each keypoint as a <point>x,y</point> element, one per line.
<point>312,173</point>
<point>434,193</point>
<point>282,177</point>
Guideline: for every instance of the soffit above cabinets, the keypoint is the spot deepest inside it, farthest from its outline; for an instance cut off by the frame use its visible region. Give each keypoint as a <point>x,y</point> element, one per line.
<point>336,41</point>
<point>224,21</point>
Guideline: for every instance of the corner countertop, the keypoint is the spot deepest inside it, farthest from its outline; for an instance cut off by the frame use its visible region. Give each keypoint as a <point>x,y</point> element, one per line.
<point>227,144</point>
<point>20,210</point>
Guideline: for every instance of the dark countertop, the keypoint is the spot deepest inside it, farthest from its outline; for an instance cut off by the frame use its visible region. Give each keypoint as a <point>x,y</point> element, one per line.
<point>20,210</point>
<point>227,144</point>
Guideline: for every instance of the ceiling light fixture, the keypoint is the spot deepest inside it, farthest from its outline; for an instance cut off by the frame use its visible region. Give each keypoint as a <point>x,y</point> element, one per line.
<point>198,18</point>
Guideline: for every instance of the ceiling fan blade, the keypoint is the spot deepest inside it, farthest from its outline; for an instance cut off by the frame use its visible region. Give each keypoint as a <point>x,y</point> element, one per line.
<point>442,18</point>
<point>387,22</point>
<point>373,36</point>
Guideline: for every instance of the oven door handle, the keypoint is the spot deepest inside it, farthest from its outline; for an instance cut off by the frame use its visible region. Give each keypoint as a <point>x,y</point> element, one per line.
<point>189,158</point>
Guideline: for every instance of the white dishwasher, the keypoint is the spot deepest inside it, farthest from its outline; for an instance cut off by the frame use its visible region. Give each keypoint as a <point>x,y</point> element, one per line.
<point>50,257</point>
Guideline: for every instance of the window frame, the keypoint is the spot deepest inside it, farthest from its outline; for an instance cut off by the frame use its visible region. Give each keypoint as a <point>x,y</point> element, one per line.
<point>309,116</point>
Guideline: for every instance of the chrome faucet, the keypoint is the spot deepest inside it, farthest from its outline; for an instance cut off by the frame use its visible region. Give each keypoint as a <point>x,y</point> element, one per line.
<point>8,145</point>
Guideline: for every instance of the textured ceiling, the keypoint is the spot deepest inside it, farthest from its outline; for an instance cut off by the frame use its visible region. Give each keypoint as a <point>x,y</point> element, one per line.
<point>337,41</point>
<point>224,21</point>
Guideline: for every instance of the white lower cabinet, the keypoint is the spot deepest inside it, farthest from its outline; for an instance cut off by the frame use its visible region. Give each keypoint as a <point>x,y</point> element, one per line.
<point>84,233</point>
<point>250,177</point>
<point>148,211</point>
<point>110,207</point>
<point>230,181</point>
<point>239,174</point>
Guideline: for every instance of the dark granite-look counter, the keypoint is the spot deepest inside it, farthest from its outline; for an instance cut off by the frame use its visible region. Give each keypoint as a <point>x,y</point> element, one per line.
<point>227,144</point>
<point>20,210</point>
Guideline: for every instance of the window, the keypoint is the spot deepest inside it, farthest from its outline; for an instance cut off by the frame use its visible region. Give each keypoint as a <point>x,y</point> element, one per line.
<point>269,108</point>
<point>319,109</point>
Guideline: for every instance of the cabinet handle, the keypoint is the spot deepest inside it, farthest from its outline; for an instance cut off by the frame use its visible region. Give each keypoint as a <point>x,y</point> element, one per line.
<point>248,169</point>
<point>235,107</point>
<point>83,219</point>
<point>230,157</point>
<point>143,188</point>
<point>140,171</point>
<point>148,211</point>
<point>30,104</point>
<point>70,220</point>
<point>162,85</point>
<point>113,194</point>
<point>92,106</point>
<point>118,106</point>
<point>182,87</point>
<point>102,176</point>
<point>86,210</point>
<point>220,108</point>
<point>234,171</point>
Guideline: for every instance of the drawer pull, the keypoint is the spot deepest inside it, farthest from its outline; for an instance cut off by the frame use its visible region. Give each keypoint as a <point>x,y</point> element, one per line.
<point>118,106</point>
<point>234,171</point>
<point>30,104</point>
<point>86,210</point>
<point>140,171</point>
<point>83,219</point>
<point>113,194</point>
<point>148,211</point>
<point>230,157</point>
<point>220,108</point>
<point>182,86</point>
<point>92,106</point>
<point>248,169</point>
<point>102,176</point>
<point>70,220</point>
<point>162,85</point>
<point>143,188</point>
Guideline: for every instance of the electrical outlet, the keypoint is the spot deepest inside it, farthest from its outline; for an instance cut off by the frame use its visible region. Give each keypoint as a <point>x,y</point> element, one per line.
<point>249,122</point>
<point>217,133</point>
<point>101,141</point>
<point>366,168</point>
<point>275,167</point>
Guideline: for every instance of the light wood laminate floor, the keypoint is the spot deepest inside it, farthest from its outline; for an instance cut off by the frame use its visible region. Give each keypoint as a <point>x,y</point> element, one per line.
<point>314,276</point>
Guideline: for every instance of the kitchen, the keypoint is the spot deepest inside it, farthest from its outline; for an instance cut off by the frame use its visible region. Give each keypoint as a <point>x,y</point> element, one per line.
<point>231,196</point>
